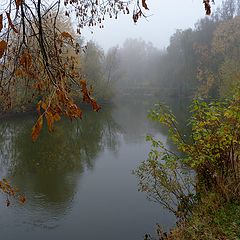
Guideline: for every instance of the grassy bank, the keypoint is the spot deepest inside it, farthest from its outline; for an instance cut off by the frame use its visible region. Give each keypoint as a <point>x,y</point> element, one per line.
<point>212,219</point>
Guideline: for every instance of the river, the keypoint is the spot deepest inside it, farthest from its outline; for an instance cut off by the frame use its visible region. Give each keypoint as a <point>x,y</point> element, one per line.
<point>78,180</point>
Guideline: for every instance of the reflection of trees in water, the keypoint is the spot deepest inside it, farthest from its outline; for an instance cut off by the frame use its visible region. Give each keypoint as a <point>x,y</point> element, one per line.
<point>48,170</point>
<point>132,113</point>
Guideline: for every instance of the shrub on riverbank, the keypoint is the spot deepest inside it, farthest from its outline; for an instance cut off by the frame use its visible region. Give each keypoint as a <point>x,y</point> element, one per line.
<point>200,183</point>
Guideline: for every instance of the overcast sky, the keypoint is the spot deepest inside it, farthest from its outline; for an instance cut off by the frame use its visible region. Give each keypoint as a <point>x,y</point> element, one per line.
<point>165,16</point>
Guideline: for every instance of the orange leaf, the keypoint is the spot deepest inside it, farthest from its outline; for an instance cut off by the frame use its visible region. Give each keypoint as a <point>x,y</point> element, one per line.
<point>56,117</point>
<point>10,23</point>
<point>38,107</point>
<point>37,128</point>
<point>3,46</point>
<point>87,98</point>
<point>1,22</point>
<point>22,199</point>
<point>96,107</point>
<point>18,3</point>
<point>44,105</point>
<point>50,120</point>
<point>67,35</point>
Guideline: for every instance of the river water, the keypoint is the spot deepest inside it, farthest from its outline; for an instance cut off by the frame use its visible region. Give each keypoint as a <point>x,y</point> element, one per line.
<point>78,180</point>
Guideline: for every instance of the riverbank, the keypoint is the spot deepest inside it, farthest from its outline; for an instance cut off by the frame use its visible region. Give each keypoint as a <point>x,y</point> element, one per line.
<point>212,219</point>
<point>207,203</point>
<point>31,109</point>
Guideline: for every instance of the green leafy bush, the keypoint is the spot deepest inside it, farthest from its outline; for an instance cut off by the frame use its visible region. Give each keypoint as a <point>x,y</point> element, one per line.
<point>209,161</point>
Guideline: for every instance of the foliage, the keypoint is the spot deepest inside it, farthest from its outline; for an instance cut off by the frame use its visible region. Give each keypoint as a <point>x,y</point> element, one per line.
<point>225,45</point>
<point>213,154</point>
<point>197,62</point>
<point>212,219</point>
<point>166,181</point>
<point>227,218</point>
<point>11,192</point>
<point>229,74</point>
<point>163,176</point>
<point>39,59</point>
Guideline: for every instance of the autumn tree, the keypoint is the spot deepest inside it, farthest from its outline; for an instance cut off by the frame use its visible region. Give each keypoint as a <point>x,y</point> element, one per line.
<point>33,53</point>
<point>226,46</point>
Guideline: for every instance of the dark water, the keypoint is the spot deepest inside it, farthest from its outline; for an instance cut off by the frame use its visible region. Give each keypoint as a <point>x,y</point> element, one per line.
<point>78,180</point>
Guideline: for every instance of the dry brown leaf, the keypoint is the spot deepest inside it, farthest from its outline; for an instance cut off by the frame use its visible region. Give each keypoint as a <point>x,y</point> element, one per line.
<point>22,199</point>
<point>38,107</point>
<point>18,3</point>
<point>3,47</point>
<point>207,6</point>
<point>144,4</point>
<point>67,35</point>
<point>44,106</point>
<point>37,128</point>
<point>56,117</point>
<point>87,98</point>
<point>50,120</point>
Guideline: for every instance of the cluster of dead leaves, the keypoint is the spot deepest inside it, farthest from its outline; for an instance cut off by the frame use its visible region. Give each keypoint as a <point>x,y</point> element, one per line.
<point>10,191</point>
<point>144,4</point>
<point>51,113</point>
<point>87,96</point>
<point>3,43</point>
<point>207,6</point>
<point>138,12</point>
<point>61,104</point>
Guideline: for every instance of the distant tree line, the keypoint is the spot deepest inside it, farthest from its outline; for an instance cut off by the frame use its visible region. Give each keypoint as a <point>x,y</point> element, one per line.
<point>201,61</point>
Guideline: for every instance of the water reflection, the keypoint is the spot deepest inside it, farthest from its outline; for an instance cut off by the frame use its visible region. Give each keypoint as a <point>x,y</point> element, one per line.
<point>81,173</point>
<point>50,168</point>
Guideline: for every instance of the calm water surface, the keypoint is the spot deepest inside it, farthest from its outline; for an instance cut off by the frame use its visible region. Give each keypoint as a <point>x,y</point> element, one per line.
<point>78,180</point>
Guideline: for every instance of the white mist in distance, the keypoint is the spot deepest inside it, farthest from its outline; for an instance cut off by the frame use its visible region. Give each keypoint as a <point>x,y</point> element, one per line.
<point>164,17</point>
